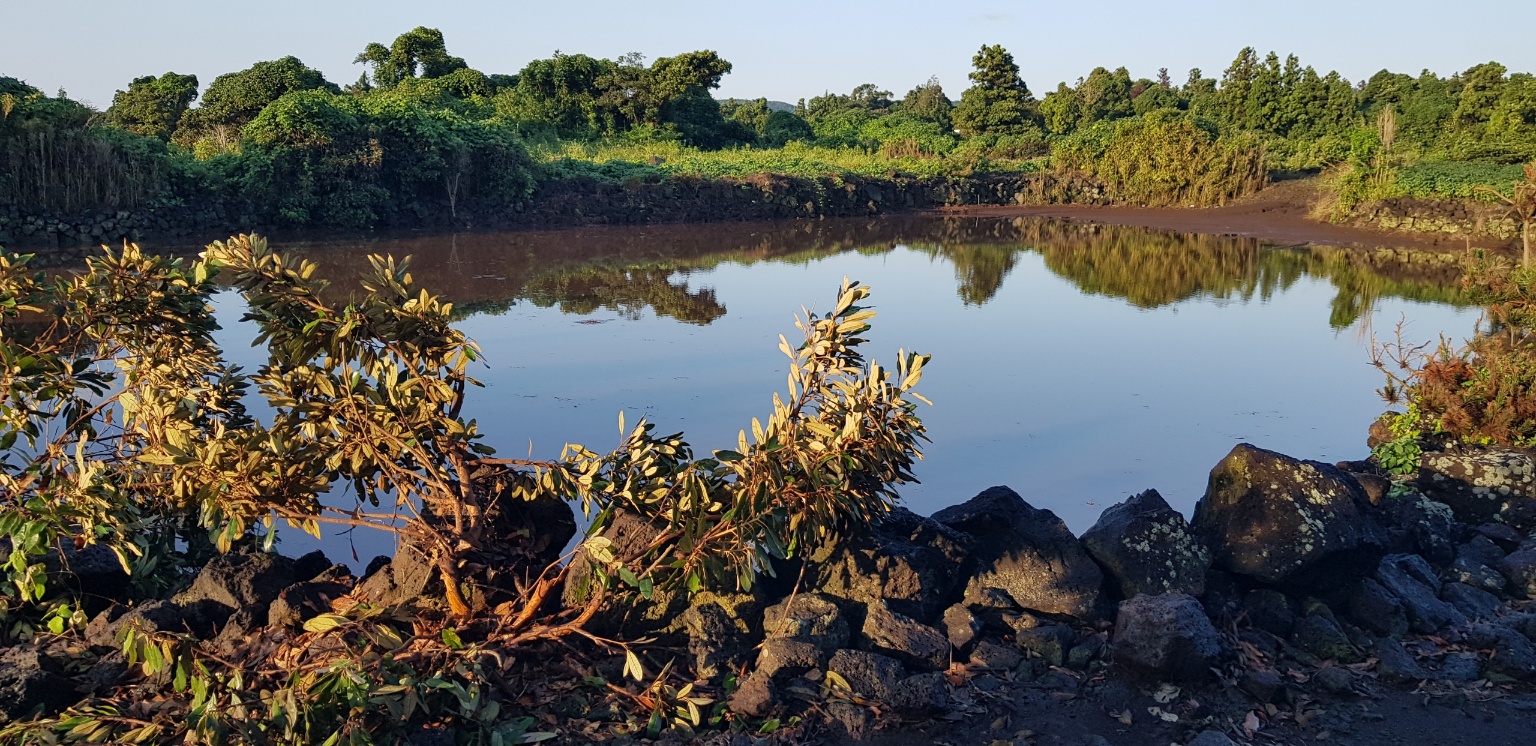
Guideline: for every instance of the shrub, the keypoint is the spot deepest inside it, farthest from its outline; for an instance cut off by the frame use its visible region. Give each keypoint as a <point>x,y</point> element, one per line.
<point>1483,391</point>
<point>1165,158</point>
<point>121,424</point>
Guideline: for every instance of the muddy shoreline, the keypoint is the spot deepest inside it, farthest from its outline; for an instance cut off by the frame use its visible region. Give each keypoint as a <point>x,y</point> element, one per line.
<point>1280,214</point>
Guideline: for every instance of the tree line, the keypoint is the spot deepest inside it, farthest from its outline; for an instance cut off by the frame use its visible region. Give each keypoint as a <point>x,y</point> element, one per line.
<point>421,134</point>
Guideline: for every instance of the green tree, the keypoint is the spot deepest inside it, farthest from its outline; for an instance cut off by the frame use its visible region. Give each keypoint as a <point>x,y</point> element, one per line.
<point>1237,88</point>
<point>866,98</point>
<point>418,53</point>
<point>1061,109</point>
<point>561,91</point>
<point>1156,98</point>
<point>1202,94</point>
<point>152,106</point>
<point>581,96</point>
<point>998,102</point>
<point>233,99</point>
<point>695,115</point>
<point>783,127</point>
<point>928,102</point>
<point>1512,123</point>
<point>1105,95</point>
<point>1262,109</point>
<point>752,113</point>
<point>1481,86</point>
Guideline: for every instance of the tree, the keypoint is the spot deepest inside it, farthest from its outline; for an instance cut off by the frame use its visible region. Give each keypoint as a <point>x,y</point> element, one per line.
<point>774,128</point>
<point>866,98</point>
<point>1157,98</point>
<point>696,116</point>
<point>1237,88</point>
<point>998,102</point>
<point>928,102</point>
<point>1062,109</point>
<point>1262,109</point>
<point>561,91</point>
<point>782,127</point>
<point>418,53</point>
<point>152,106</point>
<point>1105,95</point>
<point>1512,124</point>
<point>1480,89</point>
<point>752,113</point>
<point>583,97</point>
<point>1201,93</point>
<point>233,99</point>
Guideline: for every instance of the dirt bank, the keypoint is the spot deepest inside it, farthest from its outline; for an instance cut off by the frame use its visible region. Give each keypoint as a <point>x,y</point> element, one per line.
<point>1280,213</point>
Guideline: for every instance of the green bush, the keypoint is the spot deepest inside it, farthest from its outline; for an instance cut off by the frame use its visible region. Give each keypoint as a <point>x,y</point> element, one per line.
<point>1165,158</point>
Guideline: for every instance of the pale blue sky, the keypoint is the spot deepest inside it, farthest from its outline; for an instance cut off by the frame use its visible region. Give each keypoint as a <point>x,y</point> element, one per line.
<point>782,50</point>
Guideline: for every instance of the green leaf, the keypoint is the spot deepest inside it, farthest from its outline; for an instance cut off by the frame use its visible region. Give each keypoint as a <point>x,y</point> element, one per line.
<point>451,639</point>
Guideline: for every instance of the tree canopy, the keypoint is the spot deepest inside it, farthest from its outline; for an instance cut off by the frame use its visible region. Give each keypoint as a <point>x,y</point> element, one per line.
<point>998,102</point>
<point>153,106</point>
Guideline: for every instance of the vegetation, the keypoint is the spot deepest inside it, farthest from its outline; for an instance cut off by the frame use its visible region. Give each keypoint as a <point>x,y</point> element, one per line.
<point>1481,392</point>
<point>123,427</point>
<point>1521,201</point>
<point>1164,158</point>
<point>422,137</point>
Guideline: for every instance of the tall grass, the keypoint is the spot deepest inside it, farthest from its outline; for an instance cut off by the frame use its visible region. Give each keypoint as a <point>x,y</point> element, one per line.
<point>72,170</point>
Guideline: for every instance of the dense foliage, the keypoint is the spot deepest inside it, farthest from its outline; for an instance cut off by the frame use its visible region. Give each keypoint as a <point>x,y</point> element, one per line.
<point>424,138</point>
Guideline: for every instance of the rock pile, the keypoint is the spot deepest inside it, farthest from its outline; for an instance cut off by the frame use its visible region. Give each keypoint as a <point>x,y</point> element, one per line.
<point>1288,571</point>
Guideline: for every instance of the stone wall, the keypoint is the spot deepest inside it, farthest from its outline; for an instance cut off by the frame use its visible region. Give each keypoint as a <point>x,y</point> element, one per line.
<point>592,202</point>
<point>1438,216</point>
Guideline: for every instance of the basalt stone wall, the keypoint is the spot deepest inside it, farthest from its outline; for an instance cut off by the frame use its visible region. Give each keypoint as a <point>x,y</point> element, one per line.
<point>78,232</point>
<point>591,202</point>
<point>1445,216</point>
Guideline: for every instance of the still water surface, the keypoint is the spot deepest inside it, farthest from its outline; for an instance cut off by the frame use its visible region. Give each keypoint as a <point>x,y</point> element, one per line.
<point>1076,363</point>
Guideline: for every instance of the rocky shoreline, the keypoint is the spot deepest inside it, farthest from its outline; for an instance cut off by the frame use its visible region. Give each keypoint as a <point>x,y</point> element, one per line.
<point>1299,595</point>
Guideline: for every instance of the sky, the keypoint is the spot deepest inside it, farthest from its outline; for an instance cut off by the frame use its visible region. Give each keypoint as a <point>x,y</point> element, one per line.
<point>783,50</point>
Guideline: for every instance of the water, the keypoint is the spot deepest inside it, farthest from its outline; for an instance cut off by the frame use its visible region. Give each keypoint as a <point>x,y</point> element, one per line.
<point>1078,364</point>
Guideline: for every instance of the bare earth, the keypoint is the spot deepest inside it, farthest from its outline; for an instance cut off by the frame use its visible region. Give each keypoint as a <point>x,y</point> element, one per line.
<point>1279,214</point>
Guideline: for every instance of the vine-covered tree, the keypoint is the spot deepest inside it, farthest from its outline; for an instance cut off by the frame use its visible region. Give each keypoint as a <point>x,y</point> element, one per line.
<point>233,99</point>
<point>1061,109</point>
<point>928,103</point>
<point>418,53</point>
<point>1105,95</point>
<point>153,106</point>
<point>581,96</point>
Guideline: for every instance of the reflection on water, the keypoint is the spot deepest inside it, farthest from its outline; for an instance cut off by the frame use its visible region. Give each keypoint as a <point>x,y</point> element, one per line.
<point>1077,363</point>
<point>628,270</point>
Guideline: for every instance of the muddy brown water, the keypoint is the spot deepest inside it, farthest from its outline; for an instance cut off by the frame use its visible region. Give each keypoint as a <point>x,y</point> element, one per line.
<point>1076,363</point>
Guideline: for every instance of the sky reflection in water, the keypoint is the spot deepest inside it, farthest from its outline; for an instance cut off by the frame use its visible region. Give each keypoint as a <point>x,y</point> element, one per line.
<point>1077,364</point>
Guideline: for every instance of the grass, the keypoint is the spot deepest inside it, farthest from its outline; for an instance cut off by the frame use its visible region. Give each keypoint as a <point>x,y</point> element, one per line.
<point>620,160</point>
